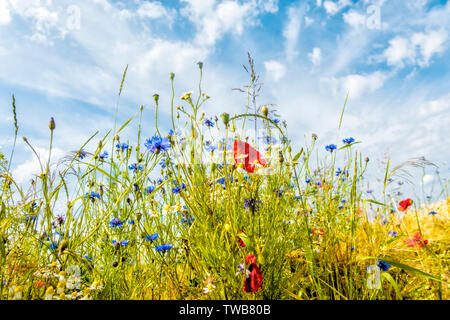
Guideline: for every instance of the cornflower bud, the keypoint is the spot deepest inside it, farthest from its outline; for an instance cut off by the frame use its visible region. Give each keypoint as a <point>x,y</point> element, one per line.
<point>51,125</point>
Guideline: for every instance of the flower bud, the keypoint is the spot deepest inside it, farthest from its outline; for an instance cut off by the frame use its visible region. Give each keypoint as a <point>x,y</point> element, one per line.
<point>265,111</point>
<point>51,125</point>
<point>156,97</point>
<point>225,118</point>
<point>200,65</point>
<point>172,76</point>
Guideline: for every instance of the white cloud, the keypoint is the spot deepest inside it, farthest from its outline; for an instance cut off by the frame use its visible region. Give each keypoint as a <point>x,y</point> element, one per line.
<point>28,169</point>
<point>213,20</point>
<point>315,56</point>
<point>5,14</point>
<point>291,31</point>
<point>429,44</point>
<point>354,18</point>
<point>417,49</point>
<point>163,53</point>
<point>435,106</point>
<point>270,6</point>
<point>428,178</point>
<point>275,69</point>
<point>355,84</point>
<point>155,10</point>
<point>333,7</point>
<point>308,21</point>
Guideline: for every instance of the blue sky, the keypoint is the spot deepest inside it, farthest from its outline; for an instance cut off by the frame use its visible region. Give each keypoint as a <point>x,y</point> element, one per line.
<point>65,59</point>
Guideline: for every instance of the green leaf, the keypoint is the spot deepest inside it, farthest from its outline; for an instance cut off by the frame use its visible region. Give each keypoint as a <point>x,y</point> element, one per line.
<point>410,269</point>
<point>376,202</point>
<point>297,156</point>
<point>349,145</point>
<point>126,123</point>
<point>243,237</point>
<point>391,280</point>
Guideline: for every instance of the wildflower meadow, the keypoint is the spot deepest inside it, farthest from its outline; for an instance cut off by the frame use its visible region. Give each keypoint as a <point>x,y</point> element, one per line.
<point>217,207</point>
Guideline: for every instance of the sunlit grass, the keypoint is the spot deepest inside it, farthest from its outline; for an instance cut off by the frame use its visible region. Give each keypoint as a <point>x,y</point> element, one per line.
<point>180,216</point>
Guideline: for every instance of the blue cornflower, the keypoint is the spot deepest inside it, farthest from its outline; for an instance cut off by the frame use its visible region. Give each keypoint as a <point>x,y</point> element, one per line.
<point>131,222</point>
<point>121,243</point>
<point>31,218</point>
<point>208,122</point>
<point>150,189</point>
<point>277,121</point>
<point>152,237</point>
<point>104,155</point>
<point>115,223</point>
<point>369,191</point>
<point>135,167</point>
<point>383,265</point>
<point>268,139</point>
<point>81,154</point>
<point>308,181</point>
<point>221,180</point>
<point>209,146</point>
<point>177,189</point>
<point>53,246</point>
<point>251,204</point>
<point>392,233</point>
<point>163,162</point>
<point>157,144</point>
<point>348,140</point>
<point>123,146</point>
<point>187,219</point>
<point>92,195</point>
<point>432,212</point>
<point>164,247</point>
<point>172,134</point>
<point>241,268</point>
<point>330,147</point>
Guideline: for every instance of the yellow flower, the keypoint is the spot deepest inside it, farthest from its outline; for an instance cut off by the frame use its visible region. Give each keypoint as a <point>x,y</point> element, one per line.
<point>49,293</point>
<point>18,293</point>
<point>186,96</point>
<point>60,287</point>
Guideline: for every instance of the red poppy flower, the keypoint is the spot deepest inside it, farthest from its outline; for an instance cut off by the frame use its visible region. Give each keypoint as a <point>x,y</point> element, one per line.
<point>405,204</point>
<point>254,280</point>
<point>247,155</point>
<point>416,240</point>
